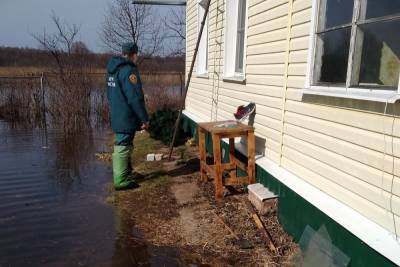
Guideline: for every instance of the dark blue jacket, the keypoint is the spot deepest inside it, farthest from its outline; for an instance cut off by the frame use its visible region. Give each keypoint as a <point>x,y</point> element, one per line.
<point>125,96</point>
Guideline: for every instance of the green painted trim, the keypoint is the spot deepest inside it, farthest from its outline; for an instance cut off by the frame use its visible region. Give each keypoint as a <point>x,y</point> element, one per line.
<point>295,213</point>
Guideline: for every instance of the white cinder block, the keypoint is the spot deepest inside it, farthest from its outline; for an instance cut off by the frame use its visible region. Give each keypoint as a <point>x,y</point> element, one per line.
<point>259,196</point>
<point>158,157</point>
<point>151,157</point>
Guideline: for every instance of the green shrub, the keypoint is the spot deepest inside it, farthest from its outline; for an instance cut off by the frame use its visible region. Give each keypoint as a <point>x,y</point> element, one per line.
<point>162,124</point>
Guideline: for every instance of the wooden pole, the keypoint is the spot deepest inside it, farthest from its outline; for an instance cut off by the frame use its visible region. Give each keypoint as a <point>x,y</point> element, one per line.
<point>181,84</point>
<point>43,99</point>
<point>182,106</point>
<point>44,108</point>
<point>261,227</point>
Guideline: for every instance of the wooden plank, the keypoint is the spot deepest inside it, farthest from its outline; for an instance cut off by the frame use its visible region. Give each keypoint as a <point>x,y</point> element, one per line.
<point>212,127</point>
<point>217,162</point>
<point>209,169</point>
<point>232,135</point>
<point>232,175</point>
<point>232,156</point>
<point>226,226</point>
<point>236,180</point>
<point>240,164</point>
<point>228,166</point>
<point>261,226</point>
<point>251,150</point>
<point>202,151</point>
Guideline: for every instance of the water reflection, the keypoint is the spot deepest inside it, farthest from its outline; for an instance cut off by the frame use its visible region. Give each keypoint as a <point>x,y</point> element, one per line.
<point>52,211</point>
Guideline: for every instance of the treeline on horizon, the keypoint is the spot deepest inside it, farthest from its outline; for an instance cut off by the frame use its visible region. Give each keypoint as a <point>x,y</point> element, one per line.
<point>31,57</point>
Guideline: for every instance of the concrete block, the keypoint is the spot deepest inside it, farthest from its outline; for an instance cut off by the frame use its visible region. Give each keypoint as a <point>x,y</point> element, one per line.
<point>151,157</point>
<point>259,196</point>
<point>158,157</point>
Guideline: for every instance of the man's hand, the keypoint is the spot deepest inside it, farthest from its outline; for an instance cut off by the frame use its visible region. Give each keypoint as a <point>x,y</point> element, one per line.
<point>145,126</point>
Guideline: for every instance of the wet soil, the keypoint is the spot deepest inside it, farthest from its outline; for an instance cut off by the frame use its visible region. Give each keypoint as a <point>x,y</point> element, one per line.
<point>177,217</point>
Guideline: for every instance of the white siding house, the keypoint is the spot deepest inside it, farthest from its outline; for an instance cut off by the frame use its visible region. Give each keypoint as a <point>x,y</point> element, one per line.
<point>324,75</point>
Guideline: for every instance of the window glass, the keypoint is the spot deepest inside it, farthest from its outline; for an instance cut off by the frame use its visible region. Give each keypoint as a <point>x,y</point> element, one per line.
<point>239,52</point>
<point>240,36</point>
<point>335,13</point>
<point>379,8</point>
<point>333,50</point>
<point>380,59</point>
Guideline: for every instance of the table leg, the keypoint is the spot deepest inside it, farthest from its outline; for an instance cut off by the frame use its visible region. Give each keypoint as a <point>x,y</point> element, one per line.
<point>251,152</point>
<point>231,156</point>
<point>202,152</point>
<point>217,164</point>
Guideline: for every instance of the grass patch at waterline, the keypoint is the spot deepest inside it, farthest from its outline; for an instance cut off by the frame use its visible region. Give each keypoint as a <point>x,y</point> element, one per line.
<point>152,171</point>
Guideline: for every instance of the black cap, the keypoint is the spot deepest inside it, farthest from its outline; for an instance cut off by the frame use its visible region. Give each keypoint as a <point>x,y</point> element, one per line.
<point>129,48</point>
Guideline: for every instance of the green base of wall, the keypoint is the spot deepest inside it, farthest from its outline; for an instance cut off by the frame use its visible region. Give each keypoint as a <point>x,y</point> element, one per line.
<point>295,214</point>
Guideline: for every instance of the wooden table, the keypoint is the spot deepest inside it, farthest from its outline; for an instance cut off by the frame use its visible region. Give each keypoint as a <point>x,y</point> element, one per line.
<point>235,129</point>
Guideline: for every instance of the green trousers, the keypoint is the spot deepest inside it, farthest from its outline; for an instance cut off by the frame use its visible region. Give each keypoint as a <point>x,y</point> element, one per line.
<point>122,169</point>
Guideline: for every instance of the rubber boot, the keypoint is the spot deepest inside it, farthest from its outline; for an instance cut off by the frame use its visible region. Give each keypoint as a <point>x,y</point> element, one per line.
<point>121,171</point>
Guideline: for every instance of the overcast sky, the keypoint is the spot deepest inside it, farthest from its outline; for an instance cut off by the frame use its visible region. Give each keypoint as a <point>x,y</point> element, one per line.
<point>20,18</point>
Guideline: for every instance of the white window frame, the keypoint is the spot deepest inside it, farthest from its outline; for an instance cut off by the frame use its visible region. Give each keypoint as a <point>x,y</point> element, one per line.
<point>369,94</point>
<point>202,55</point>
<point>230,41</point>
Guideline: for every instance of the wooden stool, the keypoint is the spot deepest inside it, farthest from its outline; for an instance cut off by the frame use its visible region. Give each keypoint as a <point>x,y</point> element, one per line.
<point>226,129</point>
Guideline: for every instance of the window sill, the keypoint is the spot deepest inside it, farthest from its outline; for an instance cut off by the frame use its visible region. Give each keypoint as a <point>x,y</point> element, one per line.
<point>235,79</point>
<point>386,96</point>
<point>202,75</point>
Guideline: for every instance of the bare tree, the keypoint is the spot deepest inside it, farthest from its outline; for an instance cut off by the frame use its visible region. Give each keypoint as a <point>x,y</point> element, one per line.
<point>60,43</point>
<point>70,85</point>
<point>66,34</point>
<point>176,24</point>
<point>125,22</point>
<point>80,47</point>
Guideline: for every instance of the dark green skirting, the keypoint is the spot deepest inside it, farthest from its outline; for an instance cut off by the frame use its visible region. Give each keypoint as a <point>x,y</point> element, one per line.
<point>295,213</point>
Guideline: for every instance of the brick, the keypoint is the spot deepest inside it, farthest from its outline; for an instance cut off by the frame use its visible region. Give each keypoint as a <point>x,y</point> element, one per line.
<point>259,196</point>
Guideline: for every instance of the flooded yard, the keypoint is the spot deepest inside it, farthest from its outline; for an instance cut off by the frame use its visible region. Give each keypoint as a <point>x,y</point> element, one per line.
<point>58,208</point>
<point>52,208</point>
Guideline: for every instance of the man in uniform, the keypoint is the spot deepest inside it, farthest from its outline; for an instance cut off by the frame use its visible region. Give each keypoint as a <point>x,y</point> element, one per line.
<point>127,110</point>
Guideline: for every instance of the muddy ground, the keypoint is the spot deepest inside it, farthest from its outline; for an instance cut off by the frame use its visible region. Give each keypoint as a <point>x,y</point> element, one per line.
<point>173,211</point>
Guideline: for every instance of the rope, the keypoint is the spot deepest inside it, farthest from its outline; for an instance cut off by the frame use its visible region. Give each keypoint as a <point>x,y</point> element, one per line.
<point>285,86</point>
<point>215,84</point>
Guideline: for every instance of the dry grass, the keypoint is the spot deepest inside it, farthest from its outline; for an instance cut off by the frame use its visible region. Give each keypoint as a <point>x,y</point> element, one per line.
<point>21,71</point>
<point>28,71</point>
<point>161,79</point>
<point>165,77</point>
<point>75,99</point>
<point>21,101</point>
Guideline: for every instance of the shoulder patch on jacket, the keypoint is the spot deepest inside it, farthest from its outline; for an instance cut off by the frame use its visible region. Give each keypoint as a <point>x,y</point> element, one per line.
<point>133,79</point>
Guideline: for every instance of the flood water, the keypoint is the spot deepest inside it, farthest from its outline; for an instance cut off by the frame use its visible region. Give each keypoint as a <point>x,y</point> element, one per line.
<point>52,204</point>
